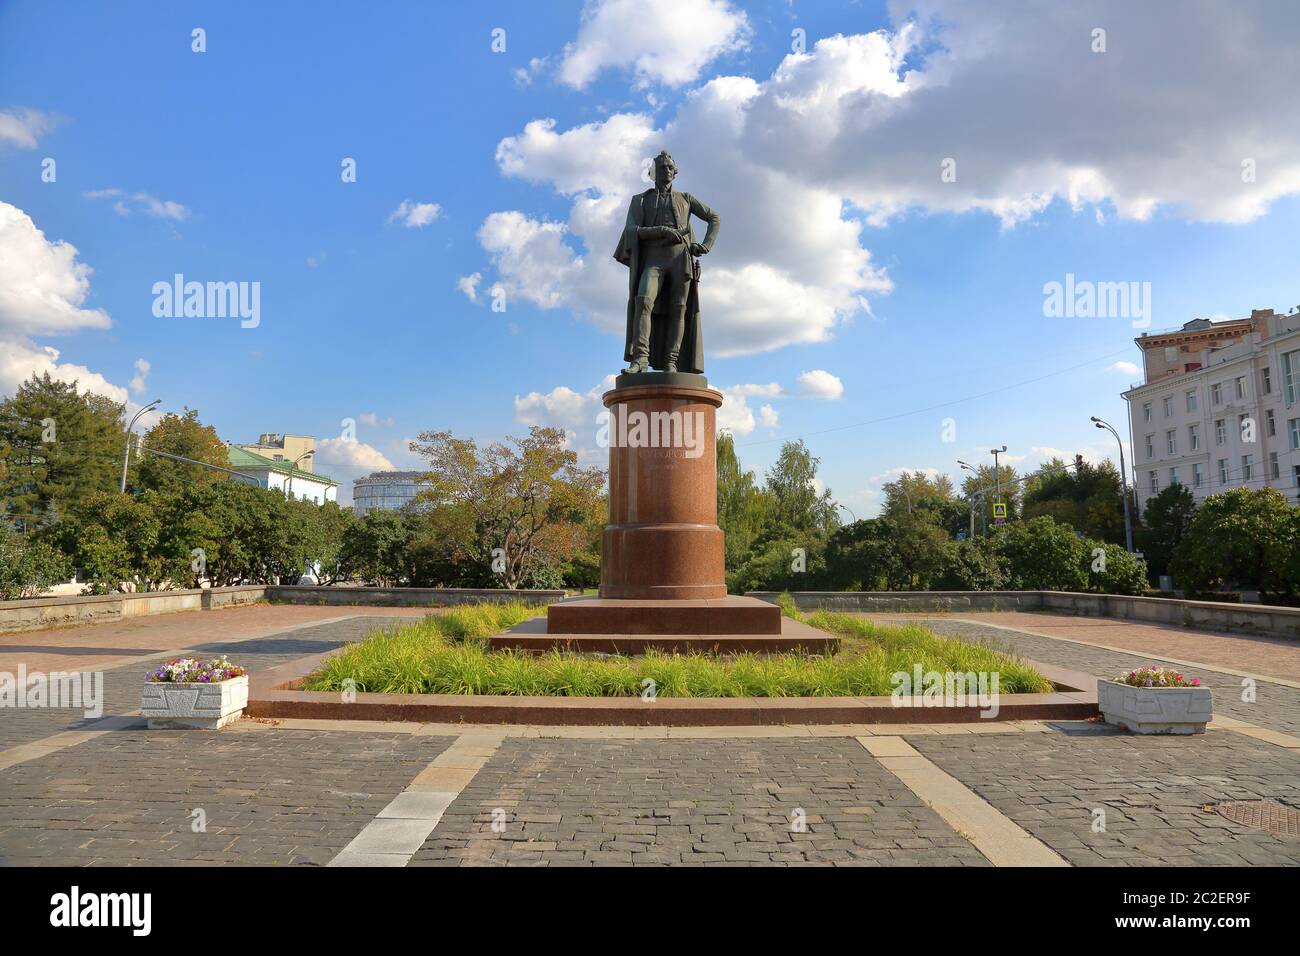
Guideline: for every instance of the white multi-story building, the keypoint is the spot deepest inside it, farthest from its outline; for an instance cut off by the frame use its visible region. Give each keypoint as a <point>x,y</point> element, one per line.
<point>385,491</point>
<point>1219,407</point>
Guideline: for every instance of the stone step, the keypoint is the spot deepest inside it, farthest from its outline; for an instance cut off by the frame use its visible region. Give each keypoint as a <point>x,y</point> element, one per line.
<point>732,615</point>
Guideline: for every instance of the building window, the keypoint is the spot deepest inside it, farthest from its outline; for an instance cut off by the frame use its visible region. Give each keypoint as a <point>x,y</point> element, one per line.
<point>1220,432</point>
<point>1241,428</point>
<point>1194,436</point>
<point>1146,411</point>
<point>1153,482</point>
<point>1266,380</point>
<point>1169,405</point>
<point>1239,386</point>
<point>1151,451</point>
<point>1294,427</point>
<point>1173,476</point>
<point>1247,462</point>
<point>1223,471</point>
<point>1274,467</point>
<point>1171,441</point>
<point>1196,474</point>
<point>1191,400</point>
<point>1270,423</point>
<point>1291,376</point>
<point>1216,393</point>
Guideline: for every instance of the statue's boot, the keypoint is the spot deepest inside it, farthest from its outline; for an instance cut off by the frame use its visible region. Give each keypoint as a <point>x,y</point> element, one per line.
<point>676,331</point>
<point>641,344</point>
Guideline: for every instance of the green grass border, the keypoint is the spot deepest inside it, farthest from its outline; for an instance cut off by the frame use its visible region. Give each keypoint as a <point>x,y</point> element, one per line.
<point>448,654</point>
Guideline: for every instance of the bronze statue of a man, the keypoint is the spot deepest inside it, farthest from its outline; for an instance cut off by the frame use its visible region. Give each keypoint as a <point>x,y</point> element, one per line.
<point>659,248</point>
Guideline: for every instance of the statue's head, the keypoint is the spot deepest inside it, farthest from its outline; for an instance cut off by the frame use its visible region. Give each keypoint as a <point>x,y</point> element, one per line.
<point>665,170</point>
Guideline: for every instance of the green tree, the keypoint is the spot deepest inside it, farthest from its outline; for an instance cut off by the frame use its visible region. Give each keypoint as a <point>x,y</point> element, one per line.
<point>374,549</point>
<point>62,448</point>
<point>1086,497</point>
<point>798,508</point>
<point>1240,538</point>
<point>186,436</point>
<point>1165,524</point>
<point>743,507</point>
<point>526,496</point>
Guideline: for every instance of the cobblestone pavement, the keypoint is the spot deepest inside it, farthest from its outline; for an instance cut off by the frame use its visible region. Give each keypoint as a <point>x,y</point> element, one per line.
<point>268,796</point>
<point>122,682</point>
<point>1152,790</point>
<point>1276,706</point>
<point>671,802</point>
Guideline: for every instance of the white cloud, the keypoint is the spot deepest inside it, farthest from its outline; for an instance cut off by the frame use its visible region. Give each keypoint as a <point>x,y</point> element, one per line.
<point>370,418</point>
<point>1128,368</point>
<point>139,382</point>
<point>23,127</point>
<point>345,461</point>
<point>531,257</point>
<point>20,360</point>
<point>1015,96</point>
<point>769,416</point>
<point>820,383</point>
<point>668,41</point>
<point>150,205</point>
<point>415,215</point>
<point>42,284</point>
<point>469,285</point>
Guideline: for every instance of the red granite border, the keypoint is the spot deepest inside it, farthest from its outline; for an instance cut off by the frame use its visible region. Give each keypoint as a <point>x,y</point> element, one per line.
<point>274,693</point>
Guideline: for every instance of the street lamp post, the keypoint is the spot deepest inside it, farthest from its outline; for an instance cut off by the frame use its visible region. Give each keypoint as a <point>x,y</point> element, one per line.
<point>126,455</point>
<point>1123,480</point>
<point>970,499</point>
<point>997,473</point>
<point>293,465</point>
<point>849,510</point>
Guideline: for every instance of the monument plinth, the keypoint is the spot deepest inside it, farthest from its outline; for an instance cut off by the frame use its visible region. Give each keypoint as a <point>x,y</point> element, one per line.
<point>662,540</point>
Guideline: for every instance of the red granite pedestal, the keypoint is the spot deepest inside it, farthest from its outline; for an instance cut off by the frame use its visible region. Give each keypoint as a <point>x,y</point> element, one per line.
<point>662,577</point>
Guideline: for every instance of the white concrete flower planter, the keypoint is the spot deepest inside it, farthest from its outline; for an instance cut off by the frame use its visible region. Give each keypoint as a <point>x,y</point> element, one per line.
<point>1155,710</point>
<point>201,706</point>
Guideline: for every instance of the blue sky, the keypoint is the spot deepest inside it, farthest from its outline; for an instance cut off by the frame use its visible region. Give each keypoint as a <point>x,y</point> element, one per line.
<point>848,259</point>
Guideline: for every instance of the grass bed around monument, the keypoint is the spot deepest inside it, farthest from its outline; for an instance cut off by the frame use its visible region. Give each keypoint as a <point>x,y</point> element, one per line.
<point>447,654</point>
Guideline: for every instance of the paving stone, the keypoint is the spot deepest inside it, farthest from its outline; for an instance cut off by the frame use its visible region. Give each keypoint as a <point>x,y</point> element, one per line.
<point>1171,778</point>
<point>696,800</point>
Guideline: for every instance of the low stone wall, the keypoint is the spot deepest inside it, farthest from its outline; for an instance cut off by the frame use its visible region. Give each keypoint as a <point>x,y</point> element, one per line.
<point>1263,619</point>
<point>63,611</point>
<point>1260,619</point>
<point>405,597</point>
<point>904,601</point>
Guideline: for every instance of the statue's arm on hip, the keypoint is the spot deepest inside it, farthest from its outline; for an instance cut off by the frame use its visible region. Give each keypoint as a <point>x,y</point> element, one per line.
<point>701,211</point>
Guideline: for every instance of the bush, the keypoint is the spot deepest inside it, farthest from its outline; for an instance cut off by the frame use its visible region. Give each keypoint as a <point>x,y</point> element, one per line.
<point>1043,555</point>
<point>1119,571</point>
<point>773,568</point>
<point>976,565</point>
<point>28,566</point>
